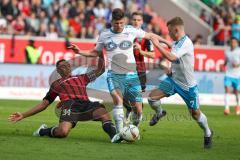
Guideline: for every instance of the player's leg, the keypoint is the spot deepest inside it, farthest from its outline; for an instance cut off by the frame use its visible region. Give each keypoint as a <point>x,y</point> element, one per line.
<point>60,131</point>
<point>202,121</point>
<point>165,89</point>
<point>118,113</point>
<point>137,113</point>
<point>133,92</point>
<point>227,85</point>
<point>100,113</point>
<point>143,80</point>
<point>191,98</point>
<point>67,121</point>
<point>115,88</point>
<point>128,108</point>
<point>236,88</point>
<point>154,100</point>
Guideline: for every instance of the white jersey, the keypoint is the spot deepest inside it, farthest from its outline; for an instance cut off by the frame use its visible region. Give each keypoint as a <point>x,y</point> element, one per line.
<point>183,67</point>
<point>119,48</point>
<point>233,57</point>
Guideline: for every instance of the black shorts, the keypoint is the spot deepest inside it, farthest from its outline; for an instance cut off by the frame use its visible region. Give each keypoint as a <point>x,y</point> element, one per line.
<point>77,110</point>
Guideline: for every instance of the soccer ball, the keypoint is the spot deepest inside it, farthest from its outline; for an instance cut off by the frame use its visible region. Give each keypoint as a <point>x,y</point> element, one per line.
<point>130,133</point>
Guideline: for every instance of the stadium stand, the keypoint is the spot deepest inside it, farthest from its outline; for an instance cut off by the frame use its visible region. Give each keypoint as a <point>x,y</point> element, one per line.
<point>72,19</point>
<point>225,19</point>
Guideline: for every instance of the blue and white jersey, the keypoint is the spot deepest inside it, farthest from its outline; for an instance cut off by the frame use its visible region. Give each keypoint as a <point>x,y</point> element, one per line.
<point>233,57</point>
<point>183,67</point>
<point>119,48</point>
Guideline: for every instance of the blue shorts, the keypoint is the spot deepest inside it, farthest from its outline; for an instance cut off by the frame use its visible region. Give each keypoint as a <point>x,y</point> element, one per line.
<point>232,82</point>
<point>128,84</point>
<point>190,97</point>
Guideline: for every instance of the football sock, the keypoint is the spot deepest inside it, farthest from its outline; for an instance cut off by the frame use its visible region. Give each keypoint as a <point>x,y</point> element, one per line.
<point>128,107</point>
<point>47,132</point>
<point>238,100</point>
<point>118,116</point>
<point>109,128</point>
<point>155,105</point>
<point>226,100</point>
<point>136,118</point>
<point>202,121</point>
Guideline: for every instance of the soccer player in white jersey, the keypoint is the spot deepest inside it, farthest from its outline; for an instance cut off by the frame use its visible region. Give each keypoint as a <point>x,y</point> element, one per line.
<point>181,80</point>
<point>232,76</point>
<point>122,76</point>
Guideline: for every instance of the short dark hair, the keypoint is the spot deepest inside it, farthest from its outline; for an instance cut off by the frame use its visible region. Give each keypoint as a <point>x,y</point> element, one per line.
<point>177,21</point>
<point>117,14</point>
<point>59,61</point>
<point>137,14</point>
<point>235,38</point>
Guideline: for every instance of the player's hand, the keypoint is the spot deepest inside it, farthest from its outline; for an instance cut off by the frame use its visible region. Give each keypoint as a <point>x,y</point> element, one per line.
<point>136,46</point>
<point>168,72</point>
<point>74,48</point>
<point>15,117</point>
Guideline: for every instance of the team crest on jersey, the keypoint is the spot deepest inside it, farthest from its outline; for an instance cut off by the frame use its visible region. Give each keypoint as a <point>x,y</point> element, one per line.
<point>110,46</point>
<point>124,45</point>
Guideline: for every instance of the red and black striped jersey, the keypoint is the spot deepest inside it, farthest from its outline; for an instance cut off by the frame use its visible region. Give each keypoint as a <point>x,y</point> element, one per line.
<point>146,45</point>
<point>71,87</point>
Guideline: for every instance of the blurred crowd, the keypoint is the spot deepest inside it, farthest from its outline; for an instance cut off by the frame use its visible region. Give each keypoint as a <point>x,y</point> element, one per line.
<point>225,20</point>
<point>70,18</point>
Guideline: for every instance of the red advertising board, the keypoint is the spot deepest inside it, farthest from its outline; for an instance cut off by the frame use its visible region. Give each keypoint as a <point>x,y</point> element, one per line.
<point>12,51</point>
<point>208,59</point>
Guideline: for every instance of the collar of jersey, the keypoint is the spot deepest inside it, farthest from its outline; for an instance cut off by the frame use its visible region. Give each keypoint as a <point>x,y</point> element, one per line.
<point>116,32</point>
<point>176,42</point>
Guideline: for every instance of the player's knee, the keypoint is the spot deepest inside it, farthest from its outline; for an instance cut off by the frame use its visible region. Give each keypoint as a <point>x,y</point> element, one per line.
<point>194,114</point>
<point>153,102</point>
<point>62,132</point>
<point>117,99</point>
<point>105,117</point>
<point>102,114</point>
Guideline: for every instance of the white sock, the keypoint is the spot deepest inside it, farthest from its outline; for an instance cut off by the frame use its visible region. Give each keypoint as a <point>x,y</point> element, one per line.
<point>202,121</point>
<point>226,100</point>
<point>155,105</point>
<point>136,118</point>
<point>118,116</point>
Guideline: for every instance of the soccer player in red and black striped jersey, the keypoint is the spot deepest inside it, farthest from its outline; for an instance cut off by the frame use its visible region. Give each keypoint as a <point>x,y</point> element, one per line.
<point>142,48</point>
<point>75,105</point>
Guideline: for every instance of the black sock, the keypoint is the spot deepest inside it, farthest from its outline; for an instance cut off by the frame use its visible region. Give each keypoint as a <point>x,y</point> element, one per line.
<point>109,128</point>
<point>128,107</point>
<point>47,132</point>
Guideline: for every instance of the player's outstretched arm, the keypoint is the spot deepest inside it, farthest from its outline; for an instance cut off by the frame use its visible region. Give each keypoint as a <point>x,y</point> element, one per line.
<point>167,54</point>
<point>17,116</point>
<point>76,50</point>
<point>148,54</point>
<point>150,36</point>
<point>101,65</point>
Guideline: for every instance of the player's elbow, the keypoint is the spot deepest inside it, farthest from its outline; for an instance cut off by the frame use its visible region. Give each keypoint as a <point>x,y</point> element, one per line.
<point>172,59</point>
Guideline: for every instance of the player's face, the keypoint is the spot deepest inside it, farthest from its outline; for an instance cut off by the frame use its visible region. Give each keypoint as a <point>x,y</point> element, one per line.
<point>234,43</point>
<point>137,21</point>
<point>64,68</point>
<point>118,25</point>
<point>172,32</point>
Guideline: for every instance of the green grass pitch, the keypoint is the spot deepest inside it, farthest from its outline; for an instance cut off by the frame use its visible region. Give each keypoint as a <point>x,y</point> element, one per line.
<point>177,136</point>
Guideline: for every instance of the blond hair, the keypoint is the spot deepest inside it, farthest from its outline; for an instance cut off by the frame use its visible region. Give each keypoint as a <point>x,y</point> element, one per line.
<point>177,21</point>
